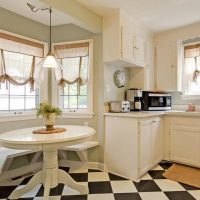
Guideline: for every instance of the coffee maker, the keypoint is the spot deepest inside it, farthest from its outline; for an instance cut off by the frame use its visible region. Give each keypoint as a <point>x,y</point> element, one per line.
<point>134,96</point>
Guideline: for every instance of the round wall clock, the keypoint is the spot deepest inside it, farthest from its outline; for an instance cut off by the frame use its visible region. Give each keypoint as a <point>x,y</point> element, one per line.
<point>120,78</point>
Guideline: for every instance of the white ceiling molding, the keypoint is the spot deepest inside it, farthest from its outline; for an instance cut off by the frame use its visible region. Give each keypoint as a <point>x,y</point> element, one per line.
<point>81,16</point>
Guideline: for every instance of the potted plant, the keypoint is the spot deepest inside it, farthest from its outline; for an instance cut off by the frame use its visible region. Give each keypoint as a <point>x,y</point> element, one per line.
<point>49,114</point>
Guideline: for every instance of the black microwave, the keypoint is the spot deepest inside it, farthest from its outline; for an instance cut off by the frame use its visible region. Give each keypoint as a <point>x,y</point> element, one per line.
<point>156,101</point>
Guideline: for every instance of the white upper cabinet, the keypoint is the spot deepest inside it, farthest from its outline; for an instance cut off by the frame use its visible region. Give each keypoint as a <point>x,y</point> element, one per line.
<point>140,51</point>
<point>127,42</point>
<point>166,61</point>
<point>144,77</point>
<point>121,45</point>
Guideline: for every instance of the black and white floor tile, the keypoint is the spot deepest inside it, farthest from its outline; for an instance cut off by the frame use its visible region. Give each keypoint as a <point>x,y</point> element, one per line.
<point>107,186</point>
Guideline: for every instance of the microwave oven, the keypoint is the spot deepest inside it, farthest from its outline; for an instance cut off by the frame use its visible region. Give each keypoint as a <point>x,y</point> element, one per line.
<point>156,101</point>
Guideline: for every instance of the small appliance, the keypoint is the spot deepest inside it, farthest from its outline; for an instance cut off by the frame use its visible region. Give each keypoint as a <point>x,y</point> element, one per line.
<point>119,106</point>
<point>134,96</point>
<point>156,100</point>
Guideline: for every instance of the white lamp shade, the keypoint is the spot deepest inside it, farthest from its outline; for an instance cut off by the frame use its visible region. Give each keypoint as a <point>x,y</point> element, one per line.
<point>50,61</point>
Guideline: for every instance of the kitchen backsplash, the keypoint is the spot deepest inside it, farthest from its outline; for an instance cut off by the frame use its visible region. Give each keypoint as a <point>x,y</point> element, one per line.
<point>111,92</point>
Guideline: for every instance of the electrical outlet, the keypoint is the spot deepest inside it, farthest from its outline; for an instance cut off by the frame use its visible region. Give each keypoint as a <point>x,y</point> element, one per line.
<point>85,123</point>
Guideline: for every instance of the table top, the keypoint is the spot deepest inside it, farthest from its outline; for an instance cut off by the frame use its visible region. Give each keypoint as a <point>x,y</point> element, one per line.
<point>26,136</point>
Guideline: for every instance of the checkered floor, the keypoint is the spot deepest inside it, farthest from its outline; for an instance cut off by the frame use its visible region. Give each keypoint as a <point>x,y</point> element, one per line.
<point>107,186</point>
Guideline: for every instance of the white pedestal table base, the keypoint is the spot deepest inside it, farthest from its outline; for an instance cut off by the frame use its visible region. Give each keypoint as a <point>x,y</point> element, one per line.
<point>50,177</point>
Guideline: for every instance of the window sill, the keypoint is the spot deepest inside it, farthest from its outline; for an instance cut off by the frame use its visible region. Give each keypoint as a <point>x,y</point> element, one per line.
<point>77,115</point>
<point>190,97</point>
<point>7,117</point>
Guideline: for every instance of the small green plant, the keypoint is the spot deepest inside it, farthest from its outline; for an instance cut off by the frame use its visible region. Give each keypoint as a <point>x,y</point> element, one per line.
<point>44,109</point>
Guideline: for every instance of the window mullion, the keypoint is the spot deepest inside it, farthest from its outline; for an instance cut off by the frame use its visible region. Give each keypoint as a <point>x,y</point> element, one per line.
<point>9,96</point>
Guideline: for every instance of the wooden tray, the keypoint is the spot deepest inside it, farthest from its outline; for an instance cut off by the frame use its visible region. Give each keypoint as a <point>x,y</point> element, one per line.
<point>44,131</point>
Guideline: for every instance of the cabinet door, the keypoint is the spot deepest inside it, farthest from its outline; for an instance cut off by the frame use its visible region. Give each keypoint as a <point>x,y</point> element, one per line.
<point>145,146</point>
<point>166,67</point>
<point>127,38</point>
<point>140,51</point>
<point>157,141</point>
<point>185,144</point>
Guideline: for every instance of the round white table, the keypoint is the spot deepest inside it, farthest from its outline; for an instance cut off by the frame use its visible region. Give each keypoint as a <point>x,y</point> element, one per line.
<point>50,175</point>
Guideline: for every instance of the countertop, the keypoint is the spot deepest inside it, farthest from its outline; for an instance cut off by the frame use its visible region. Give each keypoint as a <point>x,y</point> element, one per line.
<point>178,113</point>
<point>136,114</point>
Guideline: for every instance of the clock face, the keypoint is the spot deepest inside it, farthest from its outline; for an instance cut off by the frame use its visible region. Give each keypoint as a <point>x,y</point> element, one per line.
<point>120,78</point>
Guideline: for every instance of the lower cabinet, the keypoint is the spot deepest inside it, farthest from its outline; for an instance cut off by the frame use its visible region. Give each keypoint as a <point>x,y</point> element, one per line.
<point>185,144</point>
<point>132,145</point>
<point>150,144</point>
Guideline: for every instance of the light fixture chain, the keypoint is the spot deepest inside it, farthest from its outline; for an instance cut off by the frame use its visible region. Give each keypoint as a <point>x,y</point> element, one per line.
<point>50,10</point>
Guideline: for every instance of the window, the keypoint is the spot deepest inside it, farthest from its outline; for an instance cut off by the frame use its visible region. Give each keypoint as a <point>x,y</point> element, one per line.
<point>19,77</point>
<point>191,68</point>
<point>75,93</point>
<point>14,98</point>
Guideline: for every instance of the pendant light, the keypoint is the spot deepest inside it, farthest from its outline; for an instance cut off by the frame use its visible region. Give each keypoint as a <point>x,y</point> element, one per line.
<point>49,61</point>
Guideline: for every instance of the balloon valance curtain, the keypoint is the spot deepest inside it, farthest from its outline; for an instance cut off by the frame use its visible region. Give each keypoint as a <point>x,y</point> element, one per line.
<point>192,61</point>
<point>74,59</point>
<point>18,60</point>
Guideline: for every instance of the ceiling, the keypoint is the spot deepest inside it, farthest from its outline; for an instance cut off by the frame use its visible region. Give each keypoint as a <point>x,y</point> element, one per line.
<point>20,7</point>
<point>157,15</point>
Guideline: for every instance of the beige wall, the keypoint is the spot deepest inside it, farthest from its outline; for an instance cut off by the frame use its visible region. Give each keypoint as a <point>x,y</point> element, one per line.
<point>177,34</point>
<point>12,22</point>
<point>20,25</point>
<point>171,37</point>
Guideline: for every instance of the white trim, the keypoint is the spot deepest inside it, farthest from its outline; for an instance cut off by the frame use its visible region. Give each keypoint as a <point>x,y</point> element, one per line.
<point>55,88</point>
<point>78,115</point>
<point>180,62</point>
<point>8,117</point>
<point>191,43</point>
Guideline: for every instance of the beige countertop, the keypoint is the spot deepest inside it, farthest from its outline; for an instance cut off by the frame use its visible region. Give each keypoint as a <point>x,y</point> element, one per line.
<point>182,113</point>
<point>136,114</point>
<point>178,113</point>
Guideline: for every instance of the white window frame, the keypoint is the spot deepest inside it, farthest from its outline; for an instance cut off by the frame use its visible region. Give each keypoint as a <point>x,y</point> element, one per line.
<point>43,90</point>
<point>56,89</point>
<point>184,81</point>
